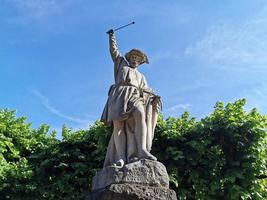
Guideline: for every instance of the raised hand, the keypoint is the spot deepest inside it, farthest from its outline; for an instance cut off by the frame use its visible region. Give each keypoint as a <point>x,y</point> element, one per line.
<point>110,32</point>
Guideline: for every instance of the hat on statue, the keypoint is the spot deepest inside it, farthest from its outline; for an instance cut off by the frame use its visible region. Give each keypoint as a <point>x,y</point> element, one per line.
<point>138,53</point>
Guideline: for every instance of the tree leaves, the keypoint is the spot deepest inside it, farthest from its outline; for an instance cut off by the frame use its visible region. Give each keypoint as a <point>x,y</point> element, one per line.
<point>222,156</point>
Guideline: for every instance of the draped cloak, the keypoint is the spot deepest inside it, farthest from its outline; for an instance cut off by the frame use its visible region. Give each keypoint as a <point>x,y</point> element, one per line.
<point>130,89</point>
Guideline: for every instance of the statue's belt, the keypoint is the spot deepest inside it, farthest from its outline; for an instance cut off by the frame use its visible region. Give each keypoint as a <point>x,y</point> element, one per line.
<point>138,88</point>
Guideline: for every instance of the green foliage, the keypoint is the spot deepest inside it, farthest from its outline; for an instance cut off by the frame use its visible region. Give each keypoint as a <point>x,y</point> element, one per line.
<point>223,156</point>
<point>65,170</point>
<point>17,143</point>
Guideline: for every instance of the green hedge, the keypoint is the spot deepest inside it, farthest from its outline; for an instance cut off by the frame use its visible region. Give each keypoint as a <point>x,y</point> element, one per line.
<point>223,156</point>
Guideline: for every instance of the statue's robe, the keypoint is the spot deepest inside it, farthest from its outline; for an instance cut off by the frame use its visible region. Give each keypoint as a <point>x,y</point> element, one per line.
<point>130,89</point>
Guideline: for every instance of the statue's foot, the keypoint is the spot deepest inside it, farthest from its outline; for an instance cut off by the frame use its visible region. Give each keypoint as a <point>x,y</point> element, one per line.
<point>118,164</point>
<point>147,155</point>
<point>133,159</point>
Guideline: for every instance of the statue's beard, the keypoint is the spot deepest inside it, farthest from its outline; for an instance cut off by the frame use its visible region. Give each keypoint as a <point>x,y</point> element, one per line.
<point>134,64</point>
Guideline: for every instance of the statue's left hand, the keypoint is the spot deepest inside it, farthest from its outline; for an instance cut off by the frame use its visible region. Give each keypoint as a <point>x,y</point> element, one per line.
<point>157,97</point>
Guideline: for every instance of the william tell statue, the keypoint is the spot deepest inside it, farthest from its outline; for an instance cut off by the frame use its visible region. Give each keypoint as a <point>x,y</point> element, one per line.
<point>130,171</point>
<point>132,109</point>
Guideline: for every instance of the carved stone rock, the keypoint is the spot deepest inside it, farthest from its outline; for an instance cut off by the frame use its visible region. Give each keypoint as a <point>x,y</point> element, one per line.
<point>141,180</point>
<point>128,191</point>
<point>145,172</point>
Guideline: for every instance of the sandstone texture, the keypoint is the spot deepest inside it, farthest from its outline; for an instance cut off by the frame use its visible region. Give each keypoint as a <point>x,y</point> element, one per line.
<point>145,172</point>
<point>141,180</point>
<point>127,191</point>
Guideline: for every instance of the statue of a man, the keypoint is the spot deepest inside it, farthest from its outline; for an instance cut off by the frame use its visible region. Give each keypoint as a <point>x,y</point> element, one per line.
<point>132,108</point>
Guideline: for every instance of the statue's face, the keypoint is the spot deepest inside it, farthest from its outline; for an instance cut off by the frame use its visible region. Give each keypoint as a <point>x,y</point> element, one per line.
<point>135,60</point>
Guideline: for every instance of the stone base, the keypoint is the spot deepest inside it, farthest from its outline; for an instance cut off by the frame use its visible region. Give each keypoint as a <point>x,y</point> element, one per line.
<point>128,191</point>
<point>141,180</point>
<point>144,172</point>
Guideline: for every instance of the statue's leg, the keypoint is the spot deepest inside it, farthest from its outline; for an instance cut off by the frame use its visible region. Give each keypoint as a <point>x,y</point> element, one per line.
<point>119,140</point>
<point>131,143</point>
<point>149,127</point>
<point>111,151</point>
<point>140,132</point>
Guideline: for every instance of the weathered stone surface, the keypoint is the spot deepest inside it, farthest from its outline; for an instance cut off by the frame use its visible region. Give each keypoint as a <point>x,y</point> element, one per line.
<point>128,191</point>
<point>124,111</point>
<point>144,172</point>
<point>141,180</point>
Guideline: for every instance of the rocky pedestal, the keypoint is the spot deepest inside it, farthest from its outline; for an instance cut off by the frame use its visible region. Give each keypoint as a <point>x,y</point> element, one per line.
<point>141,180</point>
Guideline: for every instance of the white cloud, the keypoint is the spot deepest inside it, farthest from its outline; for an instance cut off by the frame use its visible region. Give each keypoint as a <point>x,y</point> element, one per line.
<point>232,45</point>
<point>170,11</point>
<point>257,96</point>
<point>46,103</point>
<point>37,10</point>
<point>195,85</point>
<point>164,55</point>
<point>178,107</point>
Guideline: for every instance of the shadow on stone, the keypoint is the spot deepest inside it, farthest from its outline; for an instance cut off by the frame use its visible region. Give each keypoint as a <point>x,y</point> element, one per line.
<point>144,179</point>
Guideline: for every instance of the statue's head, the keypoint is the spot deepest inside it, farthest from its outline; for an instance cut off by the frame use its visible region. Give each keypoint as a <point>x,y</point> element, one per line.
<point>135,57</point>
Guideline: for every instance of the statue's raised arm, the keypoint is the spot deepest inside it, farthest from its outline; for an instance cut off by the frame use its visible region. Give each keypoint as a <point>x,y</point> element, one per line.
<point>113,48</point>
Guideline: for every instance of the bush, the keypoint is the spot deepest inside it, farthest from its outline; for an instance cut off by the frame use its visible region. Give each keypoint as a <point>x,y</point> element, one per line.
<point>17,143</point>
<point>223,156</point>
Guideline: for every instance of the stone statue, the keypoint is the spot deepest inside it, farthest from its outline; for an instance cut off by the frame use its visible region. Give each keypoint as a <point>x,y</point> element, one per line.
<point>132,108</point>
<point>130,170</point>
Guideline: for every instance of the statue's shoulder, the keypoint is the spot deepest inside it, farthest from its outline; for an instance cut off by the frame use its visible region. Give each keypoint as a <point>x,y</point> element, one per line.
<point>122,62</point>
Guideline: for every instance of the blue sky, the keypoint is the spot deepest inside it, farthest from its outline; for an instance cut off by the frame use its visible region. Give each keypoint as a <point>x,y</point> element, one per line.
<point>56,68</point>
